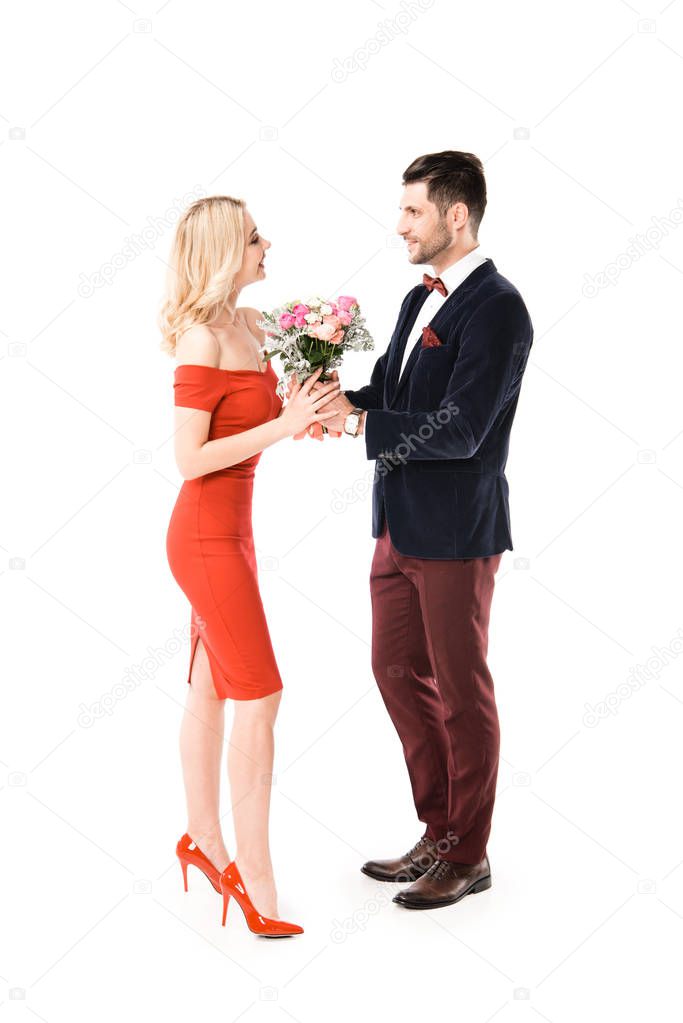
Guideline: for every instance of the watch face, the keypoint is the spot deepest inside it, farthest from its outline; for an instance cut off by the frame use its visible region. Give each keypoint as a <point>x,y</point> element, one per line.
<point>351,423</point>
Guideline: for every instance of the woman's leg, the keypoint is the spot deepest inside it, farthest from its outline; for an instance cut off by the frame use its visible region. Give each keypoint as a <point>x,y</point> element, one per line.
<point>201,752</point>
<point>250,767</point>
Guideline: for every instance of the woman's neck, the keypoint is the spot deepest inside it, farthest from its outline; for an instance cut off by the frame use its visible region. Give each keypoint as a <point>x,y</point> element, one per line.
<point>228,313</point>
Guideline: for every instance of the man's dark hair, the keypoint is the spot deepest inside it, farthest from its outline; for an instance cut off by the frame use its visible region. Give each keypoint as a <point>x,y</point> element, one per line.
<point>452,177</point>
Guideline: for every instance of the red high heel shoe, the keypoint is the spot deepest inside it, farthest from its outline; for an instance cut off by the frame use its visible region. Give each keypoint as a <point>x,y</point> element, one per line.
<point>188,852</point>
<point>232,884</point>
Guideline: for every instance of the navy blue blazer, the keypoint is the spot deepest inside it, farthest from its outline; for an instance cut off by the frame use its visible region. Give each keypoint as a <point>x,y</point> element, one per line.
<point>440,437</point>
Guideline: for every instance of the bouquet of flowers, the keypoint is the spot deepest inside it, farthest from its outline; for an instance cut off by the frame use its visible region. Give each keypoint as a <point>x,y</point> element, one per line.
<point>315,333</point>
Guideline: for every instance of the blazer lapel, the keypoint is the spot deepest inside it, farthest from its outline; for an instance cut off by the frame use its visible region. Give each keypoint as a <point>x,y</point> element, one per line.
<point>412,359</point>
<point>445,310</point>
<point>403,330</point>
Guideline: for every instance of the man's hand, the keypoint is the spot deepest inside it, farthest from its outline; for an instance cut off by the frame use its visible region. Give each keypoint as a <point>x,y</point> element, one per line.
<point>341,405</point>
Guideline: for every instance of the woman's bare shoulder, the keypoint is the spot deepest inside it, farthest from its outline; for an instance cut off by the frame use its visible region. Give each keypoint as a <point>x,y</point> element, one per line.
<point>198,346</point>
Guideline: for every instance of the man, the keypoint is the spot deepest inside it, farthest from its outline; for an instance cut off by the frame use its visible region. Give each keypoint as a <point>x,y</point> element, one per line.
<point>441,518</point>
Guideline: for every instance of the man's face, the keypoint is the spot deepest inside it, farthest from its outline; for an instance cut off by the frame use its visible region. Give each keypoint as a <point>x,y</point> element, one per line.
<point>424,230</point>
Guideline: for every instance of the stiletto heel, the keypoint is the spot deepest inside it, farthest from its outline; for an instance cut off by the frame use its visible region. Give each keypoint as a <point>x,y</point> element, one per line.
<point>188,852</point>
<point>232,884</point>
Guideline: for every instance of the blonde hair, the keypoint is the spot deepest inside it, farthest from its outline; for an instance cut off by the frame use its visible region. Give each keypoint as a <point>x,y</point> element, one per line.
<point>206,255</point>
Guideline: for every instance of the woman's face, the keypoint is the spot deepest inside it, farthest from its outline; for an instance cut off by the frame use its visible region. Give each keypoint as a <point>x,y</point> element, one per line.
<point>255,248</point>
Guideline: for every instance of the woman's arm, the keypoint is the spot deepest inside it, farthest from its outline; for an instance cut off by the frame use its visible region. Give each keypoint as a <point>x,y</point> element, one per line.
<point>196,455</point>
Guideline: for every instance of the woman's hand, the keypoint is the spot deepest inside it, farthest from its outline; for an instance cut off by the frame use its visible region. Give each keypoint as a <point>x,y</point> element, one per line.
<point>303,407</point>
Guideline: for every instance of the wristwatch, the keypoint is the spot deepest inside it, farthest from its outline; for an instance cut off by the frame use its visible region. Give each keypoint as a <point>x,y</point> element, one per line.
<point>352,422</point>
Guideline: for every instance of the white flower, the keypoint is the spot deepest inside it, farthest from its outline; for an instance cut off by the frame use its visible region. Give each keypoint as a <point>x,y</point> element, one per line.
<point>326,309</point>
<point>314,303</point>
<point>312,317</point>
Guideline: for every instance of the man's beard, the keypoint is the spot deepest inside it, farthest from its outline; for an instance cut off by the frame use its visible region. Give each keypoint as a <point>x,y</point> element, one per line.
<point>428,250</point>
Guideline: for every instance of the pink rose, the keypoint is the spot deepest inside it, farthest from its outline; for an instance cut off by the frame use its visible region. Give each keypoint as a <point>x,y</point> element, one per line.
<point>345,302</point>
<point>337,337</point>
<point>323,331</point>
<point>300,320</point>
<point>286,321</point>
<point>334,320</point>
<point>344,317</point>
<point>300,309</point>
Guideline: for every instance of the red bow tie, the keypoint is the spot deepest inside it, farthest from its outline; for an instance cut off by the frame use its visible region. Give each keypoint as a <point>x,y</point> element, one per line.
<point>431,283</point>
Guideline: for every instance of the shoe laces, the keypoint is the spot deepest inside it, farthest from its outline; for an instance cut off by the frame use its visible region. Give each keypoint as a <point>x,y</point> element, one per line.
<point>419,845</point>
<point>440,869</point>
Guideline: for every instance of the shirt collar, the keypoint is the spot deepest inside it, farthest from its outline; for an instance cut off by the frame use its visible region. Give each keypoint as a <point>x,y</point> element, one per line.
<point>455,274</point>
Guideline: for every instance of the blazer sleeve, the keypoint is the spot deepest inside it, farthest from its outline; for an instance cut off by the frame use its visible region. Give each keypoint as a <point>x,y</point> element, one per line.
<point>487,373</point>
<point>372,395</point>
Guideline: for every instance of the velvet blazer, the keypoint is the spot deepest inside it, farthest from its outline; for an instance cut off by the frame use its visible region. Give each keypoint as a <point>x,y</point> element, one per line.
<point>440,436</point>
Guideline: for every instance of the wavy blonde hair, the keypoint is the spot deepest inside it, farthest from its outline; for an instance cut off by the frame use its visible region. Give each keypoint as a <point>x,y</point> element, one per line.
<point>206,255</point>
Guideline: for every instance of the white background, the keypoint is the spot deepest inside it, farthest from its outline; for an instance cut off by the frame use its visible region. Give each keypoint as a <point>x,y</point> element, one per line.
<point>110,115</point>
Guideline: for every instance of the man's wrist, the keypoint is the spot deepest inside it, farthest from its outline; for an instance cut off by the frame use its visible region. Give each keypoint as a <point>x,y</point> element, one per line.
<point>361,423</point>
<point>353,422</point>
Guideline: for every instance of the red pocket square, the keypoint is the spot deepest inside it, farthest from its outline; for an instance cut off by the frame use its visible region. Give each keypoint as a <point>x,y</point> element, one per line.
<point>430,339</point>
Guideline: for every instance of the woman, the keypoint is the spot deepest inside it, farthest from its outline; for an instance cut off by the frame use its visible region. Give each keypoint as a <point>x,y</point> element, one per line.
<point>227,412</point>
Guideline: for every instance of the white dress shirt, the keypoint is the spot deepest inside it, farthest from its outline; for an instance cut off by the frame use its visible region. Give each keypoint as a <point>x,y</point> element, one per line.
<point>452,276</point>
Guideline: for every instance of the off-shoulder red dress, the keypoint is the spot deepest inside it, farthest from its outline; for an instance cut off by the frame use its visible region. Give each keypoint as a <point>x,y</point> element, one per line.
<point>209,542</point>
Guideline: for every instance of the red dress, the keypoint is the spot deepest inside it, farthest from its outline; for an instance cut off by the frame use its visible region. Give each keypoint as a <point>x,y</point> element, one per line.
<point>210,544</point>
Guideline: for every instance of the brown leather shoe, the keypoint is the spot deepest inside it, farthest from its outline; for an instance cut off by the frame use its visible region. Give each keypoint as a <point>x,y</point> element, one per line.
<point>445,883</point>
<point>405,868</point>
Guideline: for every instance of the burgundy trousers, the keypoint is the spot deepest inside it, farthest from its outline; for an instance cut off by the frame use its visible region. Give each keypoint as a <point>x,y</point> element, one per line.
<point>429,644</point>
